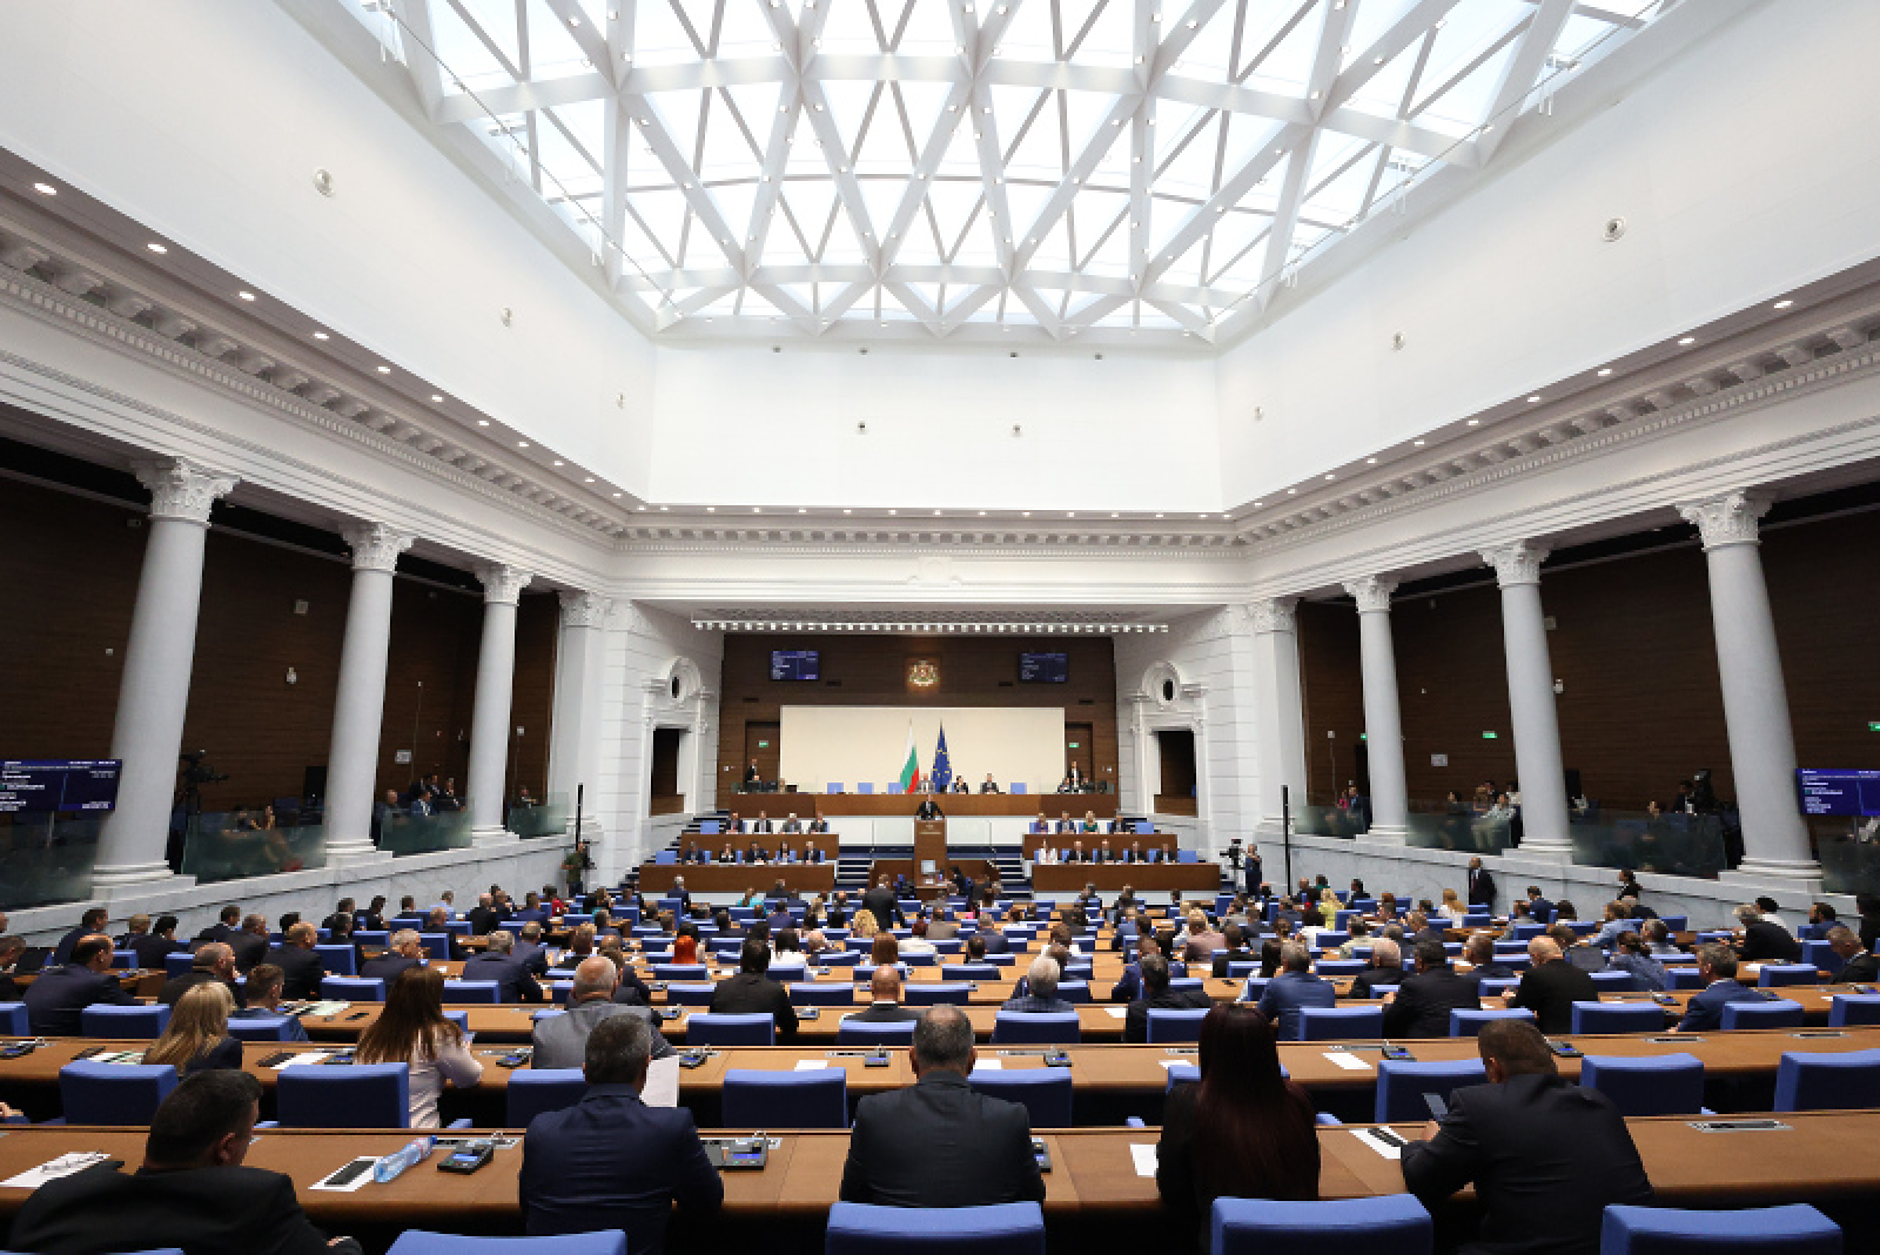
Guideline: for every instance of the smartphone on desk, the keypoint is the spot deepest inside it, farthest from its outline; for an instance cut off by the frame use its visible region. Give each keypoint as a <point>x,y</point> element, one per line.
<point>465,1161</point>
<point>1399,1053</point>
<point>1566,1050</point>
<point>809,1013</point>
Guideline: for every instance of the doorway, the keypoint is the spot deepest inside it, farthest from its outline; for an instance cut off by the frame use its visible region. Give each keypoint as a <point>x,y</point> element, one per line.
<point>1078,745</point>
<point>763,745</point>
<point>663,796</point>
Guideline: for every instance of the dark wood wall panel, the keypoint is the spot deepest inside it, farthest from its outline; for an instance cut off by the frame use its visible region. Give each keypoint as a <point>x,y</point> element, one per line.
<point>74,564</point>
<point>872,671</point>
<point>1634,648</point>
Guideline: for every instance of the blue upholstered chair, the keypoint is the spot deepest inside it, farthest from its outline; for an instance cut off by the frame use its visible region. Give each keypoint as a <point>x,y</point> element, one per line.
<point>1796,1229</point>
<point>363,1096</point>
<point>1778,1014</point>
<point>1463,1023</point>
<point>706,1029</point>
<point>1648,1085</point>
<point>461,991</point>
<point>1401,1086</point>
<point>690,995</point>
<point>1335,1023</point>
<point>1176,1026</point>
<point>113,1093</point>
<point>757,1099</point>
<point>262,1028</point>
<point>145,1022</point>
<point>1045,1093</point>
<point>810,994</point>
<point>338,960</point>
<point>853,1033</point>
<point>1850,1009</point>
<point>1392,1224</point>
<point>532,1092</point>
<point>14,1021</point>
<point>1618,1017</point>
<point>931,994</point>
<point>352,989</point>
<point>1840,1081</point>
<point>1773,975</point>
<point>999,1229</point>
<point>1060,1028</point>
<point>421,1242</point>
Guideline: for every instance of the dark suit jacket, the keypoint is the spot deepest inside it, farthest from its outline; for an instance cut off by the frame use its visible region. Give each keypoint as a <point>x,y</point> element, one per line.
<point>151,951</point>
<point>612,1162</point>
<point>249,948</point>
<point>214,932</point>
<point>1481,888</point>
<point>177,986</point>
<point>303,969</point>
<point>1862,969</point>
<point>514,982</point>
<point>1542,910</point>
<point>483,920</point>
<point>1424,1001</point>
<point>1705,1011</point>
<point>205,1211</point>
<point>1546,1157</point>
<point>533,957</point>
<point>1550,991</point>
<point>1763,940</point>
<point>748,994</point>
<point>882,904</point>
<point>1136,1022</point>
<point>1373,981</point>
<point>388,967</point>
<point>1291,992</point>
<point>885,1013</point>
<point>55,1002</point>
<point>937,1143</point>
<point>62,953</point>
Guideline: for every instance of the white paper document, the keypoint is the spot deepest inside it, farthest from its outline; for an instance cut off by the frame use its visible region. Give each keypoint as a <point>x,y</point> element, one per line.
<point>811,1065</point>
<point>1144,1157</point>
<point>989,1065</point>
<point>1189,1062</point>
<point>662,1083</point>
<point>1349,1062</point>
<point>1118,1013</point>
<point>304,1058</point>
<point>53,1169</point>
<point>1369,1138</point>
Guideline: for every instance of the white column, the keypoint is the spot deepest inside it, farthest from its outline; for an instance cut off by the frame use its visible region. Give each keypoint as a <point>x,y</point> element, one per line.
<point>1383,725</point>
<point>1280,748</point>
<point>574,741</point>
<point>1531,698</point>
<point>153,697</point>
<point>489,722</point>
<point>1755,701</point>
<point>359,706</point>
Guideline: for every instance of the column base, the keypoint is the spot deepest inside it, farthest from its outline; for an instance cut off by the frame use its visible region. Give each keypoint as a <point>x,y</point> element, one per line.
<point>1800,874</point>
<point>127,879</point>
<point>1386,834</point>
<point>353,852</point>
<point>1554,849</point>
<point>494,835</point>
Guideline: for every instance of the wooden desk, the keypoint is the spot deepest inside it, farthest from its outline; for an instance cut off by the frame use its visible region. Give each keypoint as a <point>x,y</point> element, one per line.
<point>657,878</point>
<point>1120,842</point>
<point>956,805</point>
<point>1111,877</point>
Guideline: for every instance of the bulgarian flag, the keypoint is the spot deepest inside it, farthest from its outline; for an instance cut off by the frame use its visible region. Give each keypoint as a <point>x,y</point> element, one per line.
<point>910,763</point>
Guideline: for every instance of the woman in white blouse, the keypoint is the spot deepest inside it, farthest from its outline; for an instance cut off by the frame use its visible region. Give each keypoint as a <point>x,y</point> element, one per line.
<point>1452,906</point>
<point>412,1029</point>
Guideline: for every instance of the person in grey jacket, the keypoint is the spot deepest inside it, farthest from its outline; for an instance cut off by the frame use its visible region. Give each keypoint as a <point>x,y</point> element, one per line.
<point>561,1040</point>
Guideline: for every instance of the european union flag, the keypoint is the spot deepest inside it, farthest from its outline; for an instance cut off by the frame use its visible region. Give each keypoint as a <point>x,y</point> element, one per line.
<point>942,773</point>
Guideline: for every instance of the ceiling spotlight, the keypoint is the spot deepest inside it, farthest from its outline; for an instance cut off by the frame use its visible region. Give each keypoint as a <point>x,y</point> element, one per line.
<point>617,494</point>
<point>522,444</point>
<point>1604,371</point>
<point>711,509</point>
<point>588,480</point>
<point>159,249</point>
<point>1688,340</point>
<point>1370,461</point>
<point>662,509</point>
<point>385,370</point>
<point>1475,422</point>
<point>483,422</point>
<point>1330,478</point>
<point>1784,304</point>
<point>757,510</point>
<point>1534,399</point>
<point>45,189</point>
<point>437,398</point>
<point>321,335</point>
<point>246,296</point>
<point>1420,443</point>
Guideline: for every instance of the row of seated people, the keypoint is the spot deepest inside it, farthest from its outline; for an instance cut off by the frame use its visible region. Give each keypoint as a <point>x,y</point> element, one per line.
<point>736,823</point>
<point>755,853</point>
<point>1088,824</point>
<point>1053,855</point>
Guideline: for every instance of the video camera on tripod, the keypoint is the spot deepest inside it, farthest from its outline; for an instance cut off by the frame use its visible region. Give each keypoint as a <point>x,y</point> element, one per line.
<point>195,775</point>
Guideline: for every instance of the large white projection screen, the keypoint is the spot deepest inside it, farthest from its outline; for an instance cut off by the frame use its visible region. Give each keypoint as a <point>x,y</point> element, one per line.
<point>852,744</point>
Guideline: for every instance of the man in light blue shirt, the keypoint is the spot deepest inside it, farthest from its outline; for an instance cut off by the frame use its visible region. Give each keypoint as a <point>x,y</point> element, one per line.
<point>1293,990</point>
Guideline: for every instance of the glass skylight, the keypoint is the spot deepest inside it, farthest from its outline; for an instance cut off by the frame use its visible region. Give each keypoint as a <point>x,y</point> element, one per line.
<point>965,167</point>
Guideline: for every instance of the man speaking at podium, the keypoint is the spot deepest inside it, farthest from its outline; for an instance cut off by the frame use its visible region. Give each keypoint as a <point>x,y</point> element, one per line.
<point>929,809</point>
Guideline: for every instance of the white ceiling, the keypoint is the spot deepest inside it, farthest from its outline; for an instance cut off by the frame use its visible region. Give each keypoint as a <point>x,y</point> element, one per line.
<point>973,168</point>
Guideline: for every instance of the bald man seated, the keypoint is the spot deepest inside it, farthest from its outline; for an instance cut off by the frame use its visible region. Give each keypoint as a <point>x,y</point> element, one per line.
<point>561,1040</point>
<point>884,988</point>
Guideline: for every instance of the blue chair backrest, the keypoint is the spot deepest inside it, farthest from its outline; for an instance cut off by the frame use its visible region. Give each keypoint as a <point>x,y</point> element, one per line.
<point>147,1022</point>
<point>1774,974</point>
<point>851,1033</point>
<point>1469,1023</point>
<point>1683,979</point>
<point>353,989</point>
<point>710,828</point>
<point>530,1093</point>
<point>1144,828</point>
<point>865,787</point>
<point>1045,1092</point>
<point>997,1229</point>
<point>1795,1229</point>
<point>839,958</point>
<point>680,971</point>
<point>1842,1081</point>
<point>1819,954</point>
<point>1054,1028</point>
<point>14,1021</point>
<point>1848,1009</point>
<point>436,945</point>
<point>123,959</point>
<point>363,1096</point>
<point>262,1028</point>
<point>665,858</point>
<point>1176,1026</point>
<point>420,1242</point>
<point>705,1029</point>
<point>928,994</point>
<point>1396,1223</point>
<point>1647,1085</point>
<point>834,994</point>
<point>1075,991</point>
<point>472,991</point>
<point>178,962</point>
<point>1618,1017</point>
<point>1401,1086</point>
<point>689,995</point>
<point>1333,1023</point>
<point>1778,1014</point>
<point>969,971</point>
<point>1675,923</point>
<point>758,1099</point>
<point>113,1093</point>
<point>339,960</point>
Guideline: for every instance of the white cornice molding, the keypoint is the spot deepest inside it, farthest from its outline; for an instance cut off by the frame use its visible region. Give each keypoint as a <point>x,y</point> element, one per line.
<point>812,542</point>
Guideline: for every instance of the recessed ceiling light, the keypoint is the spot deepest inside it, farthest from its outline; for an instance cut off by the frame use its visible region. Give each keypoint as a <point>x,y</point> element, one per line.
<point>385,370</point>
<point>936,514</point>
<point>155,247</point>
<point>437,398</point>
<point>662,509</point>
<point>1534,399</point>
<point>616,494</point>
<point>522,444</point>
<point>321,335</point>
<point>45,189</point>
<point>1475,422</point>
<point>1604,371</point>
<point>588,480</point>
<point>246,296</point>
<point>1292,492</point>
<point>1330,478</point>
<point>894,512</point>
<point>982,514</point>
<point>711,509</point>
<point>1070,514</point>
<point>483,422</point>
<point>1115,515</point>
<point>1370,461</point>
<point>1784,304</point>
<point>1688,340</point>
<point>848,512</point>
<point>1420,443</point>
<point>1025,513</point>
<point>757,509</point>
<point>801,510</point>
<point>641,509</point>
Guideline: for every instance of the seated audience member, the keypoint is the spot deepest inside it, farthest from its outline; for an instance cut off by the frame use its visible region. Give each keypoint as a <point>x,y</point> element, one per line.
<point>580,946</point>
<point>1040,995</point>
<point>1236,949</point>
<point>530,950</point>
<point>1420,1005</point>
<point>610,1161</point>
<point>11,948</point>
<point>301,967</point>
<point>153,947</point>
<point>498,963</point>
<point>56,1000</point>
<point>1385,973</point>
<point>1763,939</point>
<point>918,943</point>
<point>191,1192</point>
<point>1479,950</point>
<point>884,1007</point>
<point>438,921</point>
<point>484,917</point>
<point>1546,1156</point>
<point>196,1038</point>
<point>1860,966</point>
<point>404,953</point>
<point>1452,909</point>
<point>412,1029</point>
<point>1202,940</point>
<point>1657,938</point>
<point>1716,967</point>
<point>1293,990</point>
<point>752,992</point>
<point>251,943</point>
<point>1618,919</point>
<point>1157,996</point>
<point>1772,913</point>
<point>1550,987</point>
<point>1629,955</point>
<point>213,962</point>
<point>92,921</point>
<point>1244,1131</point>
<point>263,994</point>
<point>561,1040</point>
<point>937,1143</point>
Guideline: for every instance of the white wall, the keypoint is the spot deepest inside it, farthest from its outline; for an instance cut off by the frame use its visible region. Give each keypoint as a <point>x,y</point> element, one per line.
<point>851,744</point>
<point>1741,169</point>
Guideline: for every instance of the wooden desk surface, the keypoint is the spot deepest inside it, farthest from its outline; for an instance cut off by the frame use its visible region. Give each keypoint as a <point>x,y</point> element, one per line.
<point>656,878</point>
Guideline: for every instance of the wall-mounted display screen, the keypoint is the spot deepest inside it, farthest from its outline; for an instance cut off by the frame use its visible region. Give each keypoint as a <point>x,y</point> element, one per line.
<point>1831,792</point>
<point>51,785</point>
<point>796,664</point>
<point>1043,668</point>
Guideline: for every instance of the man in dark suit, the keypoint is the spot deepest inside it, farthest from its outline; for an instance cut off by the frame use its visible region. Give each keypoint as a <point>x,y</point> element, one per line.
<point>1763,940</point>
<point>92,921</point>
<point>884,987</point>
<point>1293,990</point>
<point>57,998</point>
<point>1420,1006</point>
<point>937,1143</point>
<point>1716,966</point>
<point>1481,885</point>
<point>529,949</point>
<point>225,927</point>
<point>261,993</point>
<point>484,917</point>
<point>153,947</point>
<point>1547,1157</point>
<point>299,962</point>
<point>762,823</point>
<point>1859,965</point>
<point>610,1161</point>
<point>751,992</point>
<point>405,953</point>
<point>881,903</point>
<point>251,943</point>
<point>990,785</point>
<point>192,1191</point>
<point>1551,986</point>
<point>1539,908</point>
<point>1479,950</point>
<point>213,962</point>
<point>1157,996</point>
<point>929,809</point>
<point>514,981</point>
<point>1385,973</point>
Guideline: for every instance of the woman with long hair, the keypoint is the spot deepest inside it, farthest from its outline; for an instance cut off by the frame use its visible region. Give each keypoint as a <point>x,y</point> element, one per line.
<point>884,950</point>
<point>864,924</point>
<point>412,1029</point>
<point>1244,1132</point>
<point>685,947</point>
<point>196,1039</point>
<point>1452,907</point>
